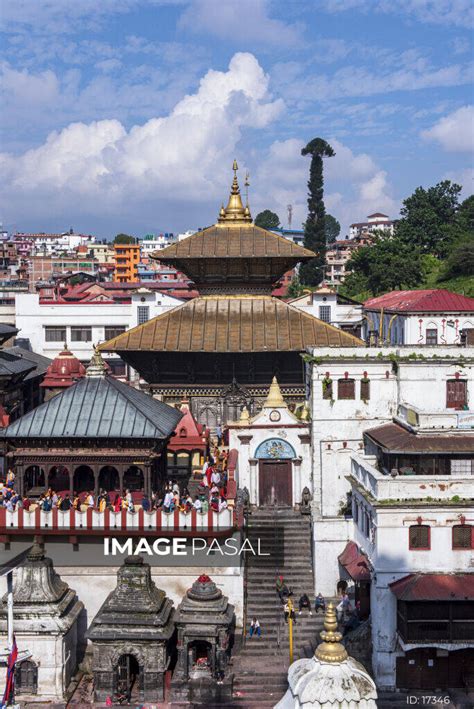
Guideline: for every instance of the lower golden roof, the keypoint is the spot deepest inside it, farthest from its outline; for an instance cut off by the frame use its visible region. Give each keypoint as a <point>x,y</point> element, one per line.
<point>231,324</point>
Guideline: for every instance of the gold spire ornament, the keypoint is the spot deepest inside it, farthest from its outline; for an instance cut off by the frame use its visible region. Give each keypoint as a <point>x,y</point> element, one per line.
<point>275,398</point>
<point>244,415</point>
<point>331,649</point>
<point>235,213</point>
<point>96,366</point>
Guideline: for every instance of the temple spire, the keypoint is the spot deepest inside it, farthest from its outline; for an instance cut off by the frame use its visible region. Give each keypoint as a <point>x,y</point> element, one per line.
<point>97,366</point>
<point>275,398</point>
<point>235,212</point>
<point>331,649</point>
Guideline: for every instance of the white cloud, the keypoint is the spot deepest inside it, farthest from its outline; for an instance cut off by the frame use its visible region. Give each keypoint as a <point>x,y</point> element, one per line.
<point>465,178</point>
<point>243,21</point>
<point>454,132</point>
<point>440,12</point>
<point>182,156</point>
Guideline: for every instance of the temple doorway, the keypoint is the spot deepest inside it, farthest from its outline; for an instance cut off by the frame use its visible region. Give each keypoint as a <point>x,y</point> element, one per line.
<point>199,657</point>
<point>275,483</point>
<point>109,478</point>
<point>128,677</point>
<point>83,479</point>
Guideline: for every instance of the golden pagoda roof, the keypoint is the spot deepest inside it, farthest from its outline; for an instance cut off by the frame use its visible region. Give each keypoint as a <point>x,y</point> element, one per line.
<point>230,241</point>
<point>231,324</point>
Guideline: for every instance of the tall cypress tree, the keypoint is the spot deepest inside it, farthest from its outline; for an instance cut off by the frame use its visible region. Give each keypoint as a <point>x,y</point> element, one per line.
<point>311,273</point>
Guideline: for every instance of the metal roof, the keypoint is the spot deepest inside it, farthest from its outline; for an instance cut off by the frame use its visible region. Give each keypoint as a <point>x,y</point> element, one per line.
<point>11,365</point>
<point>421,301</point>
<point>394,438</point>
<point>248,241</point>
<point>40,362</point>
<point>97,407</point>
<point>231,324</point>
<point>434,587</point>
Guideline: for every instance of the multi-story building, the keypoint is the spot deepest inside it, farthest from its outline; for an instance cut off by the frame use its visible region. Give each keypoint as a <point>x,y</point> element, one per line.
<point>412,492</point>
<point>103,253</point>
<point>155,242</point>
<point>336,259</point>
<point>419,317</point>
<point>127,258</point>
<point>327,305</point>
<point>375,222</point>
<point>83,323</point>
<point>45,268</point>
<point>411,414</point>
<point>53,244</point>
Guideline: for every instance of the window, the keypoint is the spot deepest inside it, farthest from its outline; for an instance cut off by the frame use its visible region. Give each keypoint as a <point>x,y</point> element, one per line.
<point>365,389</point>
<point>456,394</point>
<point>463,536</point>
<point>325,313</point>
<point>327,388</point>
<point>419,537</point>
<point>432,336</point>
<point>113,331</point>
<point>26,677</point>
<point>81,334</point>
<point>143,314</point>
<point>55,334</point>
<point>462,466</point>
<point>346,389</point>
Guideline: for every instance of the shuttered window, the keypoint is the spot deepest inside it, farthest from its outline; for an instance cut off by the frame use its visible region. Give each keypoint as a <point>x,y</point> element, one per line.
<point>365,389</point>
<point>419,537</point>
<point>346,389</point>
<point>462,536</point>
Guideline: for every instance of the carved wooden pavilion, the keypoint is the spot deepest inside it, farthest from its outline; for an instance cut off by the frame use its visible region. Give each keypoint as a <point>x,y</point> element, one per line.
<point>97,433</point>
<point>222,349</point>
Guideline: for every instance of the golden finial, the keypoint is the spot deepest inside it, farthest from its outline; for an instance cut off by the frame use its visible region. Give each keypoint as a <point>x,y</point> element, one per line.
<point>244,415</point>
<point>275,398</point>
<point>235,213</point>
<point>305,414</point>
<point>331,649</point>
<point>96,367</point>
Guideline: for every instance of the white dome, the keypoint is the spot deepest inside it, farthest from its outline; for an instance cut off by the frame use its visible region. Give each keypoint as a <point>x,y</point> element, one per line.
<point>315,684</point>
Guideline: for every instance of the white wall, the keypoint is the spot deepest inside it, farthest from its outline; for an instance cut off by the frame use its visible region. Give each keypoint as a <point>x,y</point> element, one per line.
<point>32,317</point>
<point>408,329</point>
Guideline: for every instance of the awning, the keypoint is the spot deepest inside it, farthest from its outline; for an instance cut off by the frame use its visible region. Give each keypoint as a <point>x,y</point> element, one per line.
<point>434,587</point>
<point>355,563</point>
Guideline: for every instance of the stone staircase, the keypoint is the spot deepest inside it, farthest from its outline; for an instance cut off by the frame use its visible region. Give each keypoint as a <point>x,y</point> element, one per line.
<point>260,669</point>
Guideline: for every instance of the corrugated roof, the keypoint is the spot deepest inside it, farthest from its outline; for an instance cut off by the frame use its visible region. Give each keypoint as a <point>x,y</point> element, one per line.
<point>396,439</point>
<point>40,362</point>
<point>231,324</point>
<point>422,301</point>
<point>10,365</point>
<point>355,563</point>
<point>232,242</point>
<point>434,587</point>
<point>97,407</point>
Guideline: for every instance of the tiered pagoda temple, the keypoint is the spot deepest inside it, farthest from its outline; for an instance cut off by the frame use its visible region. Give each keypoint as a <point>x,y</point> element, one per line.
<point>221,349</point>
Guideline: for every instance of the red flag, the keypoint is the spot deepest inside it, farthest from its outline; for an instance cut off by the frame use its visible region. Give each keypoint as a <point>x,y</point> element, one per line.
<point>12,658</point>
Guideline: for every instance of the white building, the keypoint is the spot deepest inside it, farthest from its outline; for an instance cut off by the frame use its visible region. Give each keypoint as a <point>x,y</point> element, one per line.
<point>419,317</point>
<point>51,244</point>
<point>48,325</point>
<point>327,305</point>
<point>375,222</point>
<point>274,448</point>
<point>355,395</point>
<point>415,525</point>
<point>155,242</point>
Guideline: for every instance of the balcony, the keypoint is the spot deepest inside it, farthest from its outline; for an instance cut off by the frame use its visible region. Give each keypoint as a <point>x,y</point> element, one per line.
<point>386,489</point>
<point>426,421</point>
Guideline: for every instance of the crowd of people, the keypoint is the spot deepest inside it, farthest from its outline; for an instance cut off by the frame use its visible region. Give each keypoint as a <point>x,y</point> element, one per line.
<point>210,494</point>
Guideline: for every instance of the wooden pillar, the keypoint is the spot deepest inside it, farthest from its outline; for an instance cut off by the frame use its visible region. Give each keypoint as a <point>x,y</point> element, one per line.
<point>46,478</point>
<point>120,472</point>
<point>147,479</point>
<point>71,481</point>
<point>20,472</point>
<point>96,479</point>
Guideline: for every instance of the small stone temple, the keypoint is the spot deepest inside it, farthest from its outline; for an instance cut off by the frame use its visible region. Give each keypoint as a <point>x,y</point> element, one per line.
<point>205,624</point>
<point>131,637</point>
<point>331,679</point>
<point>47,621</point>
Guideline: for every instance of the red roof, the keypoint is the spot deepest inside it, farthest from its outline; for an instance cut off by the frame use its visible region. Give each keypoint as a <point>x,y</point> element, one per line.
<point>377,214</point>
<point>434,587</point>
<point>422,301</point>
<point>355,563</point>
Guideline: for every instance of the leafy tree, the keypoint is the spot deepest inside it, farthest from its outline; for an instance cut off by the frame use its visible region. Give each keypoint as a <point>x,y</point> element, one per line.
<point>311,273</point>
<point>267,220</point>
<point>332,228</point>
<point>428,217</point>
<point>124,239</point>
<point>387,265</point>
<point>295,288</point>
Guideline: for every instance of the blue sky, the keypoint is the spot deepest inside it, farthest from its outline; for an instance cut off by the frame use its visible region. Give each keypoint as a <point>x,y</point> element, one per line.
<point>125,115</point>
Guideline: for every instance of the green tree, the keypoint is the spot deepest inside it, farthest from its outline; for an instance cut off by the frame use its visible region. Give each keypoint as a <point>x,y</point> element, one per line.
<point>267,220</point>
<point>311,273</point>
<point>295,288</point>
<point>124,239</point>
<point>387,265</point>
<point>332,228</point>
<point>460,261</point>
<point>428,217</point>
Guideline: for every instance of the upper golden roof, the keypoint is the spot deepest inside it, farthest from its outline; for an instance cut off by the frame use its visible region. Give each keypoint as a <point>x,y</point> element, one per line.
<point>235,213</point>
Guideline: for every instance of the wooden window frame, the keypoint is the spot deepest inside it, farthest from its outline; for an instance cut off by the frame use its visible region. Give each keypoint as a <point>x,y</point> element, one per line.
<point>419,526</point>
<point>345,381</point>
<point>365,384</point>
<point>463,526</point>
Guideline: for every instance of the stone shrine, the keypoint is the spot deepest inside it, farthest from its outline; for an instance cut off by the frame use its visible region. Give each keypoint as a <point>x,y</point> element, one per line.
<point>131,637</point>
<point>46,619</point>
<point>205,624</point>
